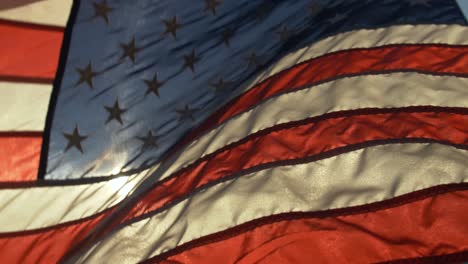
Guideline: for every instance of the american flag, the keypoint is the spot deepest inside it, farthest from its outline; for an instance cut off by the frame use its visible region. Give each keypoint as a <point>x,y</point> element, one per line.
<point>234,131</point>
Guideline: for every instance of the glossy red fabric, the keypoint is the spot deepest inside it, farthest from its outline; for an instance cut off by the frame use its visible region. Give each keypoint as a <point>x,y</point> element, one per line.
<point>19,156</point>
<point>296,141</point>
<point>432,226</point>
<point>438,59</point>
<point>29,52</point>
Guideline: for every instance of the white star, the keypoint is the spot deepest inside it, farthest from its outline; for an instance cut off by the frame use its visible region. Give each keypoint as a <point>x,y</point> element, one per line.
<point>337,18</point>
<point>186,113</point>
<point>419,2</point>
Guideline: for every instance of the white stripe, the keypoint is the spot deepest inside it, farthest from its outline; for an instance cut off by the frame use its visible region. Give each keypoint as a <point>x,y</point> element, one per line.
<point>47,206</point>
<point>351,179</point>
<point>380,91</point>
<point>23,106</point>
<point>48,12</point>
<point>369,38</point>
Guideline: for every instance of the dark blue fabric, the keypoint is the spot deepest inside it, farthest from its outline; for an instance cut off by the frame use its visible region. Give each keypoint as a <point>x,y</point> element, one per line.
<point>111,147</point>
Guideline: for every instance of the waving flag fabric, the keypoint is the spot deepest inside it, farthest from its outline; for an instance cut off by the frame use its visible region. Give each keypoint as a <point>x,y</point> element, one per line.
<point>183,131</point>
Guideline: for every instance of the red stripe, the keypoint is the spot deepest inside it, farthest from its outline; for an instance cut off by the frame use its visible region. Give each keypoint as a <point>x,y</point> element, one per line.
<point>19,156</point>
<point>440,126</point>
<point>29,52</point>
<point>440,59</point>
<point>298,141</point>
<point>47,245</point>
<point>429,227</point>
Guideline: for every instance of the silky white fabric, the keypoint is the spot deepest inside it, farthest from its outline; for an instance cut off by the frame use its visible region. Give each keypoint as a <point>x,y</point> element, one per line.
<point>46,12</point>
<point>23,106</point>
<point>38,207</point>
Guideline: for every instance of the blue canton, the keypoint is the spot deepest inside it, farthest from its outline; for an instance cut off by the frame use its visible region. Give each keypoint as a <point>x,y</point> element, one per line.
<point>140,74</point>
